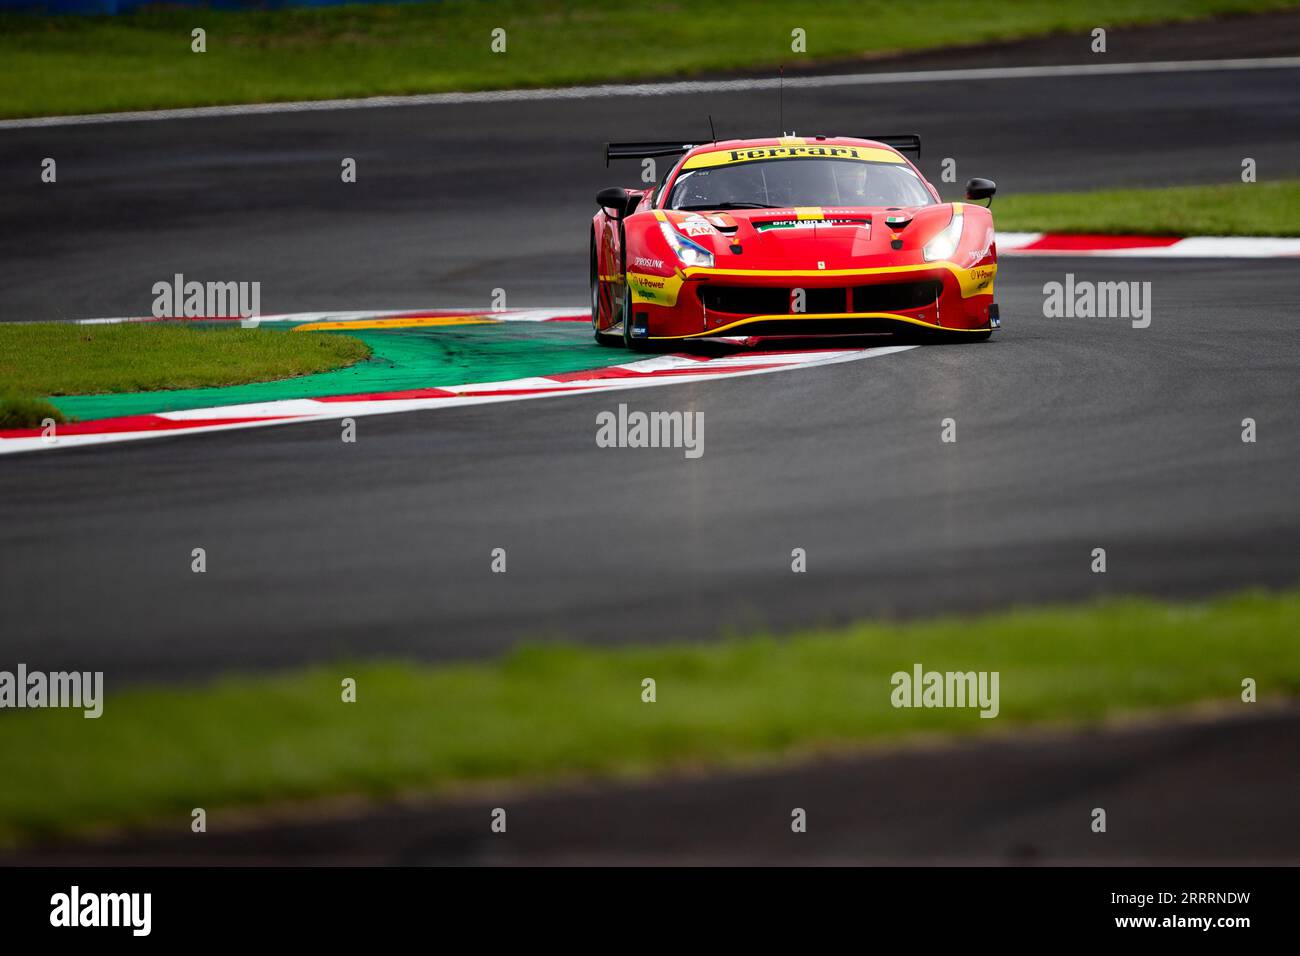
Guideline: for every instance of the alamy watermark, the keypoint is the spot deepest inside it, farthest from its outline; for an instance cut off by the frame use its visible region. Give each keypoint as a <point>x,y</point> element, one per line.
<point>206,300</point>
<point>637,429</point>
<point>76,908</point>
<point>922,688</point>
<point>1073,299</point>
<point>22,688</point>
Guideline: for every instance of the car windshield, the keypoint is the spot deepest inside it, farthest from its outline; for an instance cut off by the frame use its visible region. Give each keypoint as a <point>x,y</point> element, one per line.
<point>780,183</point>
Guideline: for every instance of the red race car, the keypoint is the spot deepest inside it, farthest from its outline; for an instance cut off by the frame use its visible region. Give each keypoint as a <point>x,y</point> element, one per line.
<point>792,237</point>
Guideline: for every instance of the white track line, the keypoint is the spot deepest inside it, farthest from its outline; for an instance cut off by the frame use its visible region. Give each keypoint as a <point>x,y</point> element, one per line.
<point>298,411</point>
<point>682,87</point>
<point>1011,241</point>
<point>1209,247</point>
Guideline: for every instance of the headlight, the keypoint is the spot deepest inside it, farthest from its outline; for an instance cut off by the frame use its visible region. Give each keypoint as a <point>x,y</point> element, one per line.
<point>690,253</point>
<point>944,244</point>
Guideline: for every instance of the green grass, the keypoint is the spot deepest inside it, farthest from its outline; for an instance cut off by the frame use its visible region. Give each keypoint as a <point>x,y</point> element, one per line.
<point>55,358</point>
<point>91,64</point>
<point>557,712</point>
<point>17,411</point>
<point>1239,209</point>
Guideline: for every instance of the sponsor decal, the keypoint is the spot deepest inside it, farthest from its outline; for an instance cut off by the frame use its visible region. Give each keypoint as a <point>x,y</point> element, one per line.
<point>654,290</point>
<point>724,157</point>
<point>695,226</point>
<point>803,223</point>
<point>977,281</point>
<point>643,263</point>
<point>783,224</point>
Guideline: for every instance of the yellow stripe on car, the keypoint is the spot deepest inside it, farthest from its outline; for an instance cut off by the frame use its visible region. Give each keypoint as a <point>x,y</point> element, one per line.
<point>654,290</point>
<point>976,281</point>
<point>807,316</point>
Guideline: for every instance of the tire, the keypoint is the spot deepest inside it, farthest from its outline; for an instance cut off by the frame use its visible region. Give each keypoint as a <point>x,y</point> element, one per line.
<point>630,343</point>
<point>601,338</point>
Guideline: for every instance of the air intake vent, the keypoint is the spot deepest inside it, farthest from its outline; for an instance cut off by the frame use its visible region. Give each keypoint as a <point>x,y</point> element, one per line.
<point>896,296</point>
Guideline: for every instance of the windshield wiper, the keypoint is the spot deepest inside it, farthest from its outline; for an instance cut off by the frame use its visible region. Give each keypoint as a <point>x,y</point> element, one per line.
<point>729,205</point>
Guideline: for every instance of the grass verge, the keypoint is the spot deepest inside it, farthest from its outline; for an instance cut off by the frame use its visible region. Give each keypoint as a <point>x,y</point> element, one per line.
<point>143,60</point>
<point>546,713</point>
<point>1241,209</point>
<point>17,411</point>
<point>55,358</point>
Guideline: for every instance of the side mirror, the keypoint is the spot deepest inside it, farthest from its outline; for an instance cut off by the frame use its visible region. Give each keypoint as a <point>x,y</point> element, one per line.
<point>618,200</point>
<point>980,189</point>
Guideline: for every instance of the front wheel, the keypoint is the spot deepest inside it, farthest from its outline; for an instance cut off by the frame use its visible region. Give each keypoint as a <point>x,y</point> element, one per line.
<point>630,342</point>
<point>602,338</point>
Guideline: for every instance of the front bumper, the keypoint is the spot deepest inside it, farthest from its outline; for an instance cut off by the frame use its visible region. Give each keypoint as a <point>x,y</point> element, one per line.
<point>706,303</point>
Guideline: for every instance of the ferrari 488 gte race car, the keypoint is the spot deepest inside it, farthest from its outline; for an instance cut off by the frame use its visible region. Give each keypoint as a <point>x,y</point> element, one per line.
<point>791,237</point>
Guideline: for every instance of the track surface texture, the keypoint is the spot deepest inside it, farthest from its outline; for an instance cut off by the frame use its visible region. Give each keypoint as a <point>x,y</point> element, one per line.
<point>1072,433</point>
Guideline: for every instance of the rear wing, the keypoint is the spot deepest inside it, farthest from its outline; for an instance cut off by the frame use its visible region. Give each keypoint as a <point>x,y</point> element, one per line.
<point>643,150</point>
<point>903,142</point>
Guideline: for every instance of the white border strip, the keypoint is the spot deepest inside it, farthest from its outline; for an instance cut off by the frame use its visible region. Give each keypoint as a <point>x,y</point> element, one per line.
<point>679,88</point>
<point>1011,241</point>
<point>508,315</point>
<point>299,410</point>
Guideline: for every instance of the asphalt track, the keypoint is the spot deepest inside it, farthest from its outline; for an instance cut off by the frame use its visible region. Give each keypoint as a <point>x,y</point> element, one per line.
<point>1072,433</point>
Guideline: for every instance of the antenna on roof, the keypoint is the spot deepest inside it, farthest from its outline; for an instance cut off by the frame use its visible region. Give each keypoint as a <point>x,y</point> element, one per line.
<point>780,100</point>
<point>712,132</point>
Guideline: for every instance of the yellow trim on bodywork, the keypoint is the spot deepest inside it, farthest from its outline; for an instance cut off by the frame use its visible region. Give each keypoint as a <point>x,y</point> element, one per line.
<point>802,317</point>
<point>805,213</point>
<point>976,281</point>
<point>725,157</point>
<point>654,290</point>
